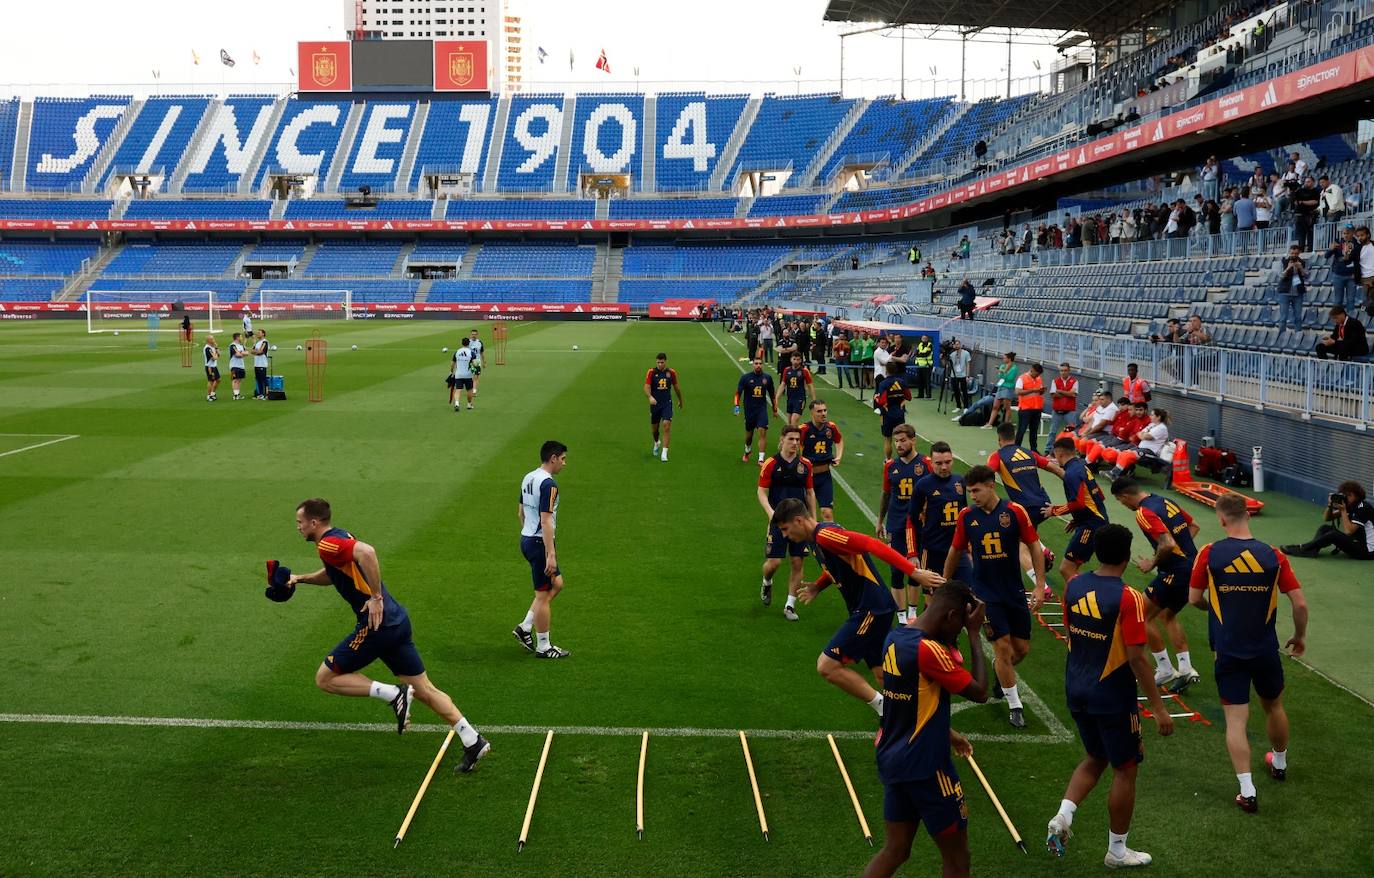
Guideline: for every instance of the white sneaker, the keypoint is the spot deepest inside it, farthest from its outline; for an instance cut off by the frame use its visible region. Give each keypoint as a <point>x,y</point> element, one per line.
<point>665,456</point>
<point>1059,835</point>
<point>955,419</point>
<point>469,406</point>
<point>657,448</point>
<point>1131,859</point>
<point>790,614</point>
<point>1164,678</point>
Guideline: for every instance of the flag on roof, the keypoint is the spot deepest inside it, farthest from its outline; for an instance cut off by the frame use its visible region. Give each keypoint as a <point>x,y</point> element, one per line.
<point>542,54</point>
<point>225,59</point>
<point>602,63</point>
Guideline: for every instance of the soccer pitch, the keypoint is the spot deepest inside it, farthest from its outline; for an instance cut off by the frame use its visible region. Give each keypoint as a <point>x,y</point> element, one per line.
<point>160,716</point>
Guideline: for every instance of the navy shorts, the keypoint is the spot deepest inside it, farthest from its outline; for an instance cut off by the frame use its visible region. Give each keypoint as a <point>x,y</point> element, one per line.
<point>824,486</point>
<point>236,372</point>
<point>897,539</point>
<point>755,420</point>
<point>860,639</point>
<point>533,550</point>
<point>1036,514</point>
<point>937,801</point>
<point>661,411</point>
<point>1114,737</point>
<point>1080,548</point>
<point>796,406</point>
<point>390,643</point>
<point>935,560</point>
<point>891,422</point>
<point>211,373</point>
<point>779,546</point>
<point>462,383</point>
<point>1235,676</point>
<point>1005,616</point>
<point>1169,590</point>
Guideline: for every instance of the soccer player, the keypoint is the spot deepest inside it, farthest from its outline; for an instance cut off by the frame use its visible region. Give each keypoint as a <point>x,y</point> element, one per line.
<point>1238,580</point>
<point>755,393</point>
<point>823,446</point>
<point>660,383</point>
<point>1171,532</point>
<point>382,631</point>
<point>1019,469</point>
<point>935,505</point>
<point>538,520</point>
<point>895,526</point>
<point>921,667</point>
<point>478,349</point>
<point>248,324</point>
<point>797,387</point>
<point>463,358</point>
<point>889,399</point>
<point>236,369</point>
<point>1086,506</point>
<point>260,349</point>
<point>785,475</point>
<point>211,368</point>
<point>990,527</point>
<point>1105,621</point>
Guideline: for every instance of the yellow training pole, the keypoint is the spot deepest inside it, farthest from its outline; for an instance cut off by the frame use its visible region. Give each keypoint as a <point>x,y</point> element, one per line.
<point>534,792</point>
<point>1015,836</point>
<point>863,823</point>
<point>754,783</point>
<point>639,792</point>
<point>415,805</point>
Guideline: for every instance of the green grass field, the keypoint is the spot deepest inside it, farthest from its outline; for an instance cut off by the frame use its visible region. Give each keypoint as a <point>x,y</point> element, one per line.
<point>133,589</point>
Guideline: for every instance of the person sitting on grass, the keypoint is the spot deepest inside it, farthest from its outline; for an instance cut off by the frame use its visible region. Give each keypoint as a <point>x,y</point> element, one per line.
<point>1348,524</point>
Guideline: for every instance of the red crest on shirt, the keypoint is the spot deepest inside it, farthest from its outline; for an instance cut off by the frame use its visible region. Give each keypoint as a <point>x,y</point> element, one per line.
<point>1004,519</point>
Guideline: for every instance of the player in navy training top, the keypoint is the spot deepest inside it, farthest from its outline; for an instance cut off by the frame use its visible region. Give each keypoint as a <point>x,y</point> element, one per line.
<point>896,526</point>
<point>1019,469</point>
<point>756,395</point>
<point>1105,621</point>
<point>382,630</point>
<point>1085,504</point>
<point>785,475</point>
<point>660,383</point>
<point>823,445</point>
<point>990,528</point>
<point>935,506</point>
<point>1238,580</point>
<point>797,388</point>
<point>846,561</point>
<point>889,400</point>
<point>921,667</point>
<point>1170,531</point>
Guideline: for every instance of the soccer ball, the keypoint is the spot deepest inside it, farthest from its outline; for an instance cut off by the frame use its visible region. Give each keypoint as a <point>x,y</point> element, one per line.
<point>445,350</point>
<point>298,347</point>
<point>116,332</point>
<point>274,347</point>
<point>355,347</point>
<point>574,346</point>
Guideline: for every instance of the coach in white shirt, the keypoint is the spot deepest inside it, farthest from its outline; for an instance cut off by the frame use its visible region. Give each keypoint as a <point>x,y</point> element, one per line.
<point>260,365</point>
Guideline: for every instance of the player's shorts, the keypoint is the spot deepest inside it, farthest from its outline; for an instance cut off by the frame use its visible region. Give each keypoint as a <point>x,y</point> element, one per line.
<point>795,406</point>
<point>755,420</point>
<point>1235,676</point>
<point>462,383</point>
<point>1169,590</point>
<point>860,639</point>
<point>1005,616</point>
<point>824,487</point>
<point>903,542</point>
<point>237,372</point>
<point>891,422</point>
<point>935,560</point>
<point>1035,512</point>
<point>212,373</point>
<point>476,369</point>
<point>1114,737</point>
<point>779,546</point>
<point>937,801</point>
<point>660,411</point>
<point>1080,548</point>
<point>390,643</point>
<point>533,550</point>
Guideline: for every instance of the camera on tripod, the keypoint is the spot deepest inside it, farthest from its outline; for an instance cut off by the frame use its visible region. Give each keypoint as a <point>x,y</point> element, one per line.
<point>946,348</point>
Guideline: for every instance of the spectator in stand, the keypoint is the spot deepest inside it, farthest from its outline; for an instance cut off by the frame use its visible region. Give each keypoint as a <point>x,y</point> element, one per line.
<point>1074,234</point>
<point>1243,211</point>
<point>1149,444</point>
<point>1332,200</point>
<point>1264,207</point>
<point>959,360</point>
<point>1007,374</point>
<point>1354,198</point>
<point>1347,341</point>
<point>1348,525</point>
<point>1058,239</point>
<point>1030,404</point>
<point>967,300</point>
<point>1194,334</point>
<point>1173,333</point>
<point>1279,193</point>
<point>1227,209</point>
<point>1364,270</point>
<point>1115,229</point>
<point>1211,219</point>
<point>928,271</point>
<point>1306,200</point>
<point>1209,174</point>
<point>1027,239</point>
<point>1257,180</point>
<point>1090,232</point>
<point>1133,387</point>
<point>965,247</point>
<point>1299,165</point>
<point>1292,285</point>
<point>1129,229</point>
<point>1344,260</point>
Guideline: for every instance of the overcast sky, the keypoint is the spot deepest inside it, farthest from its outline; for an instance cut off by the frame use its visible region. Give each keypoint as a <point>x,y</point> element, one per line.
<point>99,45</point>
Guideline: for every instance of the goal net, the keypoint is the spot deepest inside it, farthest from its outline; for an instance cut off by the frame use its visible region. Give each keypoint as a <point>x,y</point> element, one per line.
<point>286,304</point>
<point>152,310</point>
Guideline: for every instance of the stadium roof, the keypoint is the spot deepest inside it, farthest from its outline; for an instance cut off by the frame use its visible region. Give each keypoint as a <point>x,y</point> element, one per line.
<point>1099,20</point>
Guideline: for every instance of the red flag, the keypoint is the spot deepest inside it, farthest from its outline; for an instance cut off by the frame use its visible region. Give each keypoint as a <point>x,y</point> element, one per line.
<point>602,63</point>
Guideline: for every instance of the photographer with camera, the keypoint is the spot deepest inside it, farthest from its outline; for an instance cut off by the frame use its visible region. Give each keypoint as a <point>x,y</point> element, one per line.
<point>1292,284</point>
<point>1348,524</point>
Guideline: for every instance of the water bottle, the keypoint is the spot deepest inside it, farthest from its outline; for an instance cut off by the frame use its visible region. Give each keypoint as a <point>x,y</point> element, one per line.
<point>1257,468</point>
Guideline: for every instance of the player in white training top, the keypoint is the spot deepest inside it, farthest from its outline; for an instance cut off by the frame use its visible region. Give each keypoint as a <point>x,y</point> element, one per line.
<point>463,358</point>
<point>538,519</point>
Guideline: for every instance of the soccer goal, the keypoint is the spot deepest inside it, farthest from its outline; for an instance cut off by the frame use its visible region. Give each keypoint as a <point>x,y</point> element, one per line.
<point>279,304</point>
<point>152,310</point>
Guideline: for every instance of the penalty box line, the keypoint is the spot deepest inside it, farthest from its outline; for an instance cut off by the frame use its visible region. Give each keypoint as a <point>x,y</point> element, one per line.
<point>601,731</point>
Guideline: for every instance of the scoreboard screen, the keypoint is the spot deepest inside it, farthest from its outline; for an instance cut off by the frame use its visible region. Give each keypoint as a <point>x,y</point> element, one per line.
<point>379,65</point>
<point>393,65</point>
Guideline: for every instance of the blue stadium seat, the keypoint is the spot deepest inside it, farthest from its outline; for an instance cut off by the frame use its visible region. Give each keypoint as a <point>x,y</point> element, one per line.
<point>66,135</point>
<point>692,130</point>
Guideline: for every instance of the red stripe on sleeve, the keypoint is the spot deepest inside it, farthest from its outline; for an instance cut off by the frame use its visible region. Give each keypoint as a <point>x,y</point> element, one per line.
<point>1200,578</point>
<point>1132,617</point>
<point>1029,536</point>
<point>960,534</point>
<point>936,664</point>
<point>1287,581</point>
<point>766,474</point>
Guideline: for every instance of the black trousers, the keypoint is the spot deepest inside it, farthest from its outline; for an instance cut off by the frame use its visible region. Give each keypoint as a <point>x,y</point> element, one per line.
<point>959,386</point>
<point>1331,536</point>
<point>1028,421</point>
<point>923,382</point>
<point>260,380</point>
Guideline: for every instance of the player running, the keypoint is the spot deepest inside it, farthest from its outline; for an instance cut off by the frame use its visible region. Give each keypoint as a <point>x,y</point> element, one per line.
<point>935,505</point>
<point>1019,469</point>
<point>1106,625</point>
<point>845,562</point>
<point>382,631</point>
<point>538,520</point>
<point>785,475</point>
<point>755,392</point>
<point>921,667</point>
<point>797,387</point>
<point>1238,580</point>
<point>660,383</point>
<point>211,368</point>
<point>1171,532</point>
<point>1086,506</point>
<point>895,525</point>
<point>990,527</point>
<point>823,446</point>
<point>889,400</point>
<point>463,377</point>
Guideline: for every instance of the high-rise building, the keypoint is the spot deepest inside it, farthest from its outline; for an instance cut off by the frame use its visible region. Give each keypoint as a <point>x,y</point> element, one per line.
<point>514,60</point>
<point>425,19</point>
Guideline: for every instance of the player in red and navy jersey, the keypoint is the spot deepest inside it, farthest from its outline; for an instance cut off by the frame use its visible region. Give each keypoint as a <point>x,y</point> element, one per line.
<point>785,475</point>
<point>896,526</point>
<point>823,445</point>
<point>797,388</point>
<point>382,631</point>
<point>1085,505</point>
<point>935,507</point>
<point>1019,469</point>
<point>756,395</point>
<point>846,562</point>
<point>660,383</point>
<point>1105,621</point>
<point>921,668</point>
<point>1171,532</point>
<point>991,529</point>
<point>889,400</point>
<point>1238,581</point>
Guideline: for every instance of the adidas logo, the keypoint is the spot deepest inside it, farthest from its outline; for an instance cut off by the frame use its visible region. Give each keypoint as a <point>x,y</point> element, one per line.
<point>1270,97</point>
<point>1087,606</point>
<point>890,661</point>
<point>1244,563</point>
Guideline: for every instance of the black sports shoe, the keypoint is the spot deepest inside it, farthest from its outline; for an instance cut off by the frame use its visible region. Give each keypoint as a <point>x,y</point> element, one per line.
<point>400,705</point>
<point>1017,718</point>
<point>996,693</point>
<point>481,747</point>
<point>1248,804</point>
<point>525,637</point>
<point>553,652</point>
<point>1298,551</point>
<point>766,593</point>
<point>1275,773</point>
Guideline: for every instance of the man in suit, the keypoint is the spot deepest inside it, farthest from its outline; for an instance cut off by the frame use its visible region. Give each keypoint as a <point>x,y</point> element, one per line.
<point>1347,340</point>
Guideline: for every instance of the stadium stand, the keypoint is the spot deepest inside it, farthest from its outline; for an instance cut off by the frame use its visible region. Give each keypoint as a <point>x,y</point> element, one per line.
<point>158,137</point>
<point>554,259</point>
<point>529,149</point>
<point>677,208</point>
<point>305,139</point>
<point>54,208</point>
<point>187,209</point>
<point>607,134</point>
<point>374,157</point>
<point>227,143</point>
<point>354,259</point>
<point>384,209</point>
<point>202,259</point>
<point>510,291</point>
<point>9,120</point>
<point>44,258</point>
<point>449,129</point>
<point>64,137</point>
<point>692,132</point>
<point>500,208</point>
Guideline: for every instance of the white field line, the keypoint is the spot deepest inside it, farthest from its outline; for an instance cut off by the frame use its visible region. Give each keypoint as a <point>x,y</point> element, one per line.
<point>601,731</point>
<point>60,438</point>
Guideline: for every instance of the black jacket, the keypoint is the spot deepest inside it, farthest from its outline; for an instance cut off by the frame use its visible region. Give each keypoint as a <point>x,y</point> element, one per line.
<point>1354,342</point>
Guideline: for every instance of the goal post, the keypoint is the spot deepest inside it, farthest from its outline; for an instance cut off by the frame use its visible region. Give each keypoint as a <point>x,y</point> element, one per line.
<point>108,310</point>
<point>278,304</point>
